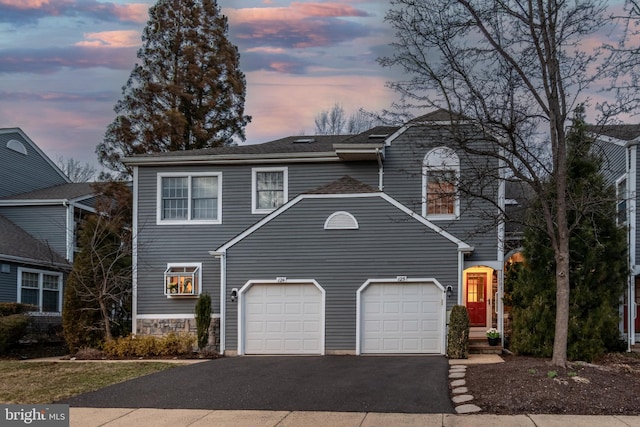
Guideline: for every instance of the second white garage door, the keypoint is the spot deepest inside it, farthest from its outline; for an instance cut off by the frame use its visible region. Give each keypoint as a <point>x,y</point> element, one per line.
<point>402,317</point>
<point>283,318</point>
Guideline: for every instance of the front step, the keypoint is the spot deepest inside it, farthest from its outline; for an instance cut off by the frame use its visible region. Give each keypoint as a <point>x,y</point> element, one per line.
<point>481,346</point>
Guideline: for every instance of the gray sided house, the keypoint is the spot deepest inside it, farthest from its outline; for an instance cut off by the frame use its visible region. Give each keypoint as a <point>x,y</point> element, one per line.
<point>356,244</point>
<point>618,146</point>
<point>39,212</point>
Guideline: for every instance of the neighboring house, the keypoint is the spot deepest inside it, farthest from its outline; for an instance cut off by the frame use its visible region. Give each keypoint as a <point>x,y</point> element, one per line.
<point>619,149</point>
<point>319,244</point>
<point>39,212</point>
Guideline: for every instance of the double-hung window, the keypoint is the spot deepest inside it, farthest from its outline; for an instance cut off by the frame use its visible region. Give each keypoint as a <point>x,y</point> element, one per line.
<point>269,189</point>
<point>40,288</point>
<point>441,172</point>
<point>189,198</point>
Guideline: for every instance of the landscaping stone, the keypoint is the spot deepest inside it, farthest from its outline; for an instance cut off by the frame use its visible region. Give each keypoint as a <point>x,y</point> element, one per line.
<point>458,383</point>
<point>462,398</point>
<point>460,390</point>
<point>467,409</point>
<point>456,375</point>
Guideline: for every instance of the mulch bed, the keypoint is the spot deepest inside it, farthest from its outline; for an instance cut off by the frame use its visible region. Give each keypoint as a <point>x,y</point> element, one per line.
<point>526,385</point>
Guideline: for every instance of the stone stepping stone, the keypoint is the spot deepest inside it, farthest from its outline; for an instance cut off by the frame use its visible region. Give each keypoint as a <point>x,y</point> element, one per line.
<point>462,398</point>
<point>467,409</point>
<point>454,375</point>
<point>457,367</point>
<point>460,390</point>
<point>458,383</point>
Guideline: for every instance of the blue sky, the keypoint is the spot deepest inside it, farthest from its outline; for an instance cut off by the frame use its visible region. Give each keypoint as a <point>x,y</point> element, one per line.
<point>63,64</point>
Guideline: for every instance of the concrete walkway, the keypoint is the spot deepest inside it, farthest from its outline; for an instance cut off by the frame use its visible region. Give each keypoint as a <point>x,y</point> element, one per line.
<point>114,417</point>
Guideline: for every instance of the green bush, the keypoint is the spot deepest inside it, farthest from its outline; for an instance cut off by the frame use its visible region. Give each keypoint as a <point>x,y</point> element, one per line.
<point>9,308</point>
<point>458,336</point>
<point>150,346</point>
<point>203,319</point>
<point>12,328</point>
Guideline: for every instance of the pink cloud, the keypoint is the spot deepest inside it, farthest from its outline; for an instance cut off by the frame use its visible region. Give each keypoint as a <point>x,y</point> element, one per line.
<point>23,11</point>
<point>128,38</point>
<point>327,9</point>
<point>24,4</point>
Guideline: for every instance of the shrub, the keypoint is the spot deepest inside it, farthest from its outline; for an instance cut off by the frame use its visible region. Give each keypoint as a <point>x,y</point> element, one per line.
<point>150,346</point>
<point>12,328</point>
<point>9,308</point>
<point>88,353</point>
<point>458,336</point>
<point>203,319</point>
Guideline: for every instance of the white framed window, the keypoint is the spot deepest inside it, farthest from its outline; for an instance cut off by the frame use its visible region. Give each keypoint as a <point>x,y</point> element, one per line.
<point>269,189</point>
<point>621,200</point>
<point>194,198</point>
<point>183,279</point>
<point>440,176</point>
<point>40,288</point>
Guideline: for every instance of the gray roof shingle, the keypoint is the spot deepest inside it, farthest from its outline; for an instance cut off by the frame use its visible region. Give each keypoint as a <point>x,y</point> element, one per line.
<point>621,132</point>
<point>345,185</point>
<point>58,192</point>
<point>17,243</point>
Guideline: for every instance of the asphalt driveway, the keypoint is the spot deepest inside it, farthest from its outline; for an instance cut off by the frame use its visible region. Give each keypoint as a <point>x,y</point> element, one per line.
<point>413,384</point>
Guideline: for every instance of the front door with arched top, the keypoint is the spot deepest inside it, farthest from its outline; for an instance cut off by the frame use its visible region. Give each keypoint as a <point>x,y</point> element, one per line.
<point>476,298</point>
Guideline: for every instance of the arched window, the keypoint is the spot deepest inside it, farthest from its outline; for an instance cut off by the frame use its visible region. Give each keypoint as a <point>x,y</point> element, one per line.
<point>440,175</point>
<point>341,221</point>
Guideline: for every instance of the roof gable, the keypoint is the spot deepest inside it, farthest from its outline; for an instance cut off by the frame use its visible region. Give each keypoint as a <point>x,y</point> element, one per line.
<point>345,183</point>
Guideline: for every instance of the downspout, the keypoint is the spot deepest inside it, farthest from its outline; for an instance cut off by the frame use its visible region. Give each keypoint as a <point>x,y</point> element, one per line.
<point>632,187</point>
<point>222,256</point>
<point>70,207</point>
<point>134,254</point>
<point>380,170</point>
<point>498,302</point>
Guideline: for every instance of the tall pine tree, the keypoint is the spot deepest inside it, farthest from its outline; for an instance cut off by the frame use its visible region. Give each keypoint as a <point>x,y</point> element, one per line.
<point>187,93</point>
<point>598,267</point>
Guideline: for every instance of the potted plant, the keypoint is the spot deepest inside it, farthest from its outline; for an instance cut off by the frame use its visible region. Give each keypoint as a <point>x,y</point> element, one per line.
<point>493,336</point>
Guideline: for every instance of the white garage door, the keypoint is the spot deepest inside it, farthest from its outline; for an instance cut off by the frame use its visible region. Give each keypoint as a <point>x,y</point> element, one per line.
<point>283,318</point>
<point>402,318</point>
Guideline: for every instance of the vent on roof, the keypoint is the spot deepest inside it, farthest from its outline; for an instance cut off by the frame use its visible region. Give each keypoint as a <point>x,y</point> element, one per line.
<point>17,146</point>
<point>378,136</point>
<point>341,221</point>
<point>304,140</point>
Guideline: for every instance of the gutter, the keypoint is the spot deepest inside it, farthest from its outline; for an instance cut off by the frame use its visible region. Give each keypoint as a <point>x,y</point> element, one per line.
<point>232,159</point>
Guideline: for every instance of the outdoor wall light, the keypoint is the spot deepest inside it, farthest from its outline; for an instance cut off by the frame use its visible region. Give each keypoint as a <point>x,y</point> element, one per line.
<point>449,291</point>
<point>234,294</point>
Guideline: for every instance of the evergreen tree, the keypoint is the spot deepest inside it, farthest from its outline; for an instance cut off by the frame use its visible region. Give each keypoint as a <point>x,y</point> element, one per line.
<point>98,291</point>
<point>187,93</point>
<point>598,267</point>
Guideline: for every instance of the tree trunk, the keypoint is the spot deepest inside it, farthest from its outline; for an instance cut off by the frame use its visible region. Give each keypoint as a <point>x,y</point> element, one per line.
<point>105,317</point>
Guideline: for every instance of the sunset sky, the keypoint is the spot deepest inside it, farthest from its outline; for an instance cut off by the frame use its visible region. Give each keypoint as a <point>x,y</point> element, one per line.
<point>63,64</point>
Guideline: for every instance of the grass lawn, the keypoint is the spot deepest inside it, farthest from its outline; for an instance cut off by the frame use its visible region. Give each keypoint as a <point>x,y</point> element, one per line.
<point>47,382</point>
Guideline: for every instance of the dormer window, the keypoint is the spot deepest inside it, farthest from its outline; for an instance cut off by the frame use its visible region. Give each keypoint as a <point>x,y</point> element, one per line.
<point>440,175</point>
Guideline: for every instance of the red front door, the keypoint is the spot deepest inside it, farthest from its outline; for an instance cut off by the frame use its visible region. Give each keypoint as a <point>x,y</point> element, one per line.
<point>476,303</point>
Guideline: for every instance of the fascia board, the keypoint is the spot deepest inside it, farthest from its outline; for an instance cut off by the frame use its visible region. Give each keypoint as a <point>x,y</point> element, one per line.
<point>232,159</point>
<point>32,261</point>
<point>34,202</point>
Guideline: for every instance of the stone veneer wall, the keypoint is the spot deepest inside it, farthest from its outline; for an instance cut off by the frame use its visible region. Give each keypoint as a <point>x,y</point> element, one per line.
<point>161,327</point>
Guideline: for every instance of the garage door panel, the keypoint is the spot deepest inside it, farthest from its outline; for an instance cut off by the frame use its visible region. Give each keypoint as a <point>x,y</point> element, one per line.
<point>401,318</point>
<point>283,319</point>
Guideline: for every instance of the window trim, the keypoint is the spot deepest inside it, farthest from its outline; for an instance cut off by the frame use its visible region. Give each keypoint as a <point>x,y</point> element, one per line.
<point>197,272</point>
<point>254,188</point>
<point>40,274</point>
<point>189,175</point>
<point>440,159</point>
